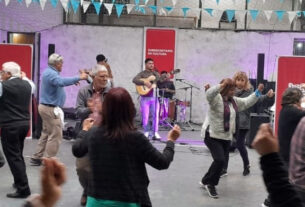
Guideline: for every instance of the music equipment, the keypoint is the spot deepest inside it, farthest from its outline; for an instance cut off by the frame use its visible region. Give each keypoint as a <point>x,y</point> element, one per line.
<point>51,49</point>
<point>255,121</point>
<point>143,89</point>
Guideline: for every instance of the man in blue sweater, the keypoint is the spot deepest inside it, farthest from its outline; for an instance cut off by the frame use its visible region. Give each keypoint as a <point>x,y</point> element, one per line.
<point>52,99</point>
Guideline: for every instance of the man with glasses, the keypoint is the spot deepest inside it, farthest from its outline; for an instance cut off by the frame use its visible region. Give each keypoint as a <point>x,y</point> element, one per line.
<point>52,99</point>
<point>88,104</point>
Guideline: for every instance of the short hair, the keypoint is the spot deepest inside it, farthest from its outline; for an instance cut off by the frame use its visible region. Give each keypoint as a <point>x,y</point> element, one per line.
<point>13,68</point>
<point>230,85</point>
<point>242,75</point>
<point>148,59</point>
<point>163,72</point>
<point>118,113</point>
<point>55,58</point>
<point>291,96</point>
<point>97,68</point>
<point>100,58</point>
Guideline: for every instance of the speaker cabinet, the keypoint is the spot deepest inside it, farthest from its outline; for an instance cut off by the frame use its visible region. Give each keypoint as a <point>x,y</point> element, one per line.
<point>255,121</point>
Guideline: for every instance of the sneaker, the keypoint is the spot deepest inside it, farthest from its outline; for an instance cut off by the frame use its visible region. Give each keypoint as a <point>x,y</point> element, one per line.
<point>146,134</point>
<point>246,171</point>
<point>201,184</point>
<point>157,135</point>
<point>211,191</point>
<point>35,162</point>
<point>223,173</point>
<point>266,203</point>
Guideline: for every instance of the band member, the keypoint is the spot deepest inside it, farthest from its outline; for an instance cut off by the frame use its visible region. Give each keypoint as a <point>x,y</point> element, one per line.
<point>149,102</point>
<point>166,92</point>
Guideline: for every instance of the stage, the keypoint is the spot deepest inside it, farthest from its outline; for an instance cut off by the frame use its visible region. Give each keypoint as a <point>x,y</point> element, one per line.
<point>175,187</point>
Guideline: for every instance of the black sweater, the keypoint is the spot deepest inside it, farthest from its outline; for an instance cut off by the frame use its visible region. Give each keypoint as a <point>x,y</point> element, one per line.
<point>282,193</point>
<point>118,166</point>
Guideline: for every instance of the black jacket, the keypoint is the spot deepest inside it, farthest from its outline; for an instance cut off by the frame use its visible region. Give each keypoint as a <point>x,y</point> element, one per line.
<point>118,166</point>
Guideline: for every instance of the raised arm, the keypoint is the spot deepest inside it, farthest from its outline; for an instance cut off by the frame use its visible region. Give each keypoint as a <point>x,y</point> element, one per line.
<point>212,92</point>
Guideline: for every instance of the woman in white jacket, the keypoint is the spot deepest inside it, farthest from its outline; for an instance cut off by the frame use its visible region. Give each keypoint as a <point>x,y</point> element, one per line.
<point>222,125</point>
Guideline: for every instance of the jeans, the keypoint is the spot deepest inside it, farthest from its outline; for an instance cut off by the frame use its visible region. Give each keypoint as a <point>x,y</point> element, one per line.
<point>150,111</point>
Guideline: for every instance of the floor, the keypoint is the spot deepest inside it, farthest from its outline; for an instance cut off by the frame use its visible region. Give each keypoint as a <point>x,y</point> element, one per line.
<point>175,187</point>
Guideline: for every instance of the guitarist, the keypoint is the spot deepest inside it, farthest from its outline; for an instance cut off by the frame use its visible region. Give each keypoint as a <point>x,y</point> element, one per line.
<point>149,102</point>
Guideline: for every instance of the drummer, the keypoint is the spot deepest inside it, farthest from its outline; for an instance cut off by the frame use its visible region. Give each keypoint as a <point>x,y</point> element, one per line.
<point>166,89</point>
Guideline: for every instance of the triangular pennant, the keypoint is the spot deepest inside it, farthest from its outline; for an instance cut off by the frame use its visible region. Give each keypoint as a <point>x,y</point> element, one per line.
<point>253,14</point>
<point>75,4</point>
<point>137,2</point>
<point>54,3</point>
<point>20,1</point>
<point>168,8</point>
<point>230,14</point>
<point>86,5</point>
<point>97,6</point>
<point>145,1</point>
<point>153,8</point>
<point>109,8</point>
<point>291,15</point>
<point>175,2</point>
<point>28,2</point>
<point>281,1</point>
<point>81,2</point>
<point>42,4</point>
<point>303,13</point>
<point>65,5</point>
<point>299,13</point>
<point>119,9</point>
<point>217,1</point>
<point>210,11</point>
<point>6,2</point>
<point>240,15</point>
<point>185,10</point>
<point>248,1</point>
<point>142,9</point>
<point>268,14</point>
<point>162,12</point>
<point>101,1</point>
<point>129,7</point>
<point>280,14</point>
<point>264,1</point>
<point>35,1</point>
<point>217,14</point>
<point>301,2</point>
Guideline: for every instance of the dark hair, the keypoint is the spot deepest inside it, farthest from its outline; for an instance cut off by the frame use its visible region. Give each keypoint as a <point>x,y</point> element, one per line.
<point>100,58</point>
<point>230,85</point>
<point>291,96</point>
<point>118,112</point>
<point>163,72</point>
<point>148,59</point>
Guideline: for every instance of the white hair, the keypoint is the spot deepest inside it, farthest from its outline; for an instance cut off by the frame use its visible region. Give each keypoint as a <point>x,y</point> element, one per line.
<point>54,59</point>
<point>13,68</point>
<point>97,68</point>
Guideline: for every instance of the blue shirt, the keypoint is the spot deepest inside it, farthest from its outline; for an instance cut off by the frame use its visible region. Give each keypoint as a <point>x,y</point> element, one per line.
<point>52,87</point>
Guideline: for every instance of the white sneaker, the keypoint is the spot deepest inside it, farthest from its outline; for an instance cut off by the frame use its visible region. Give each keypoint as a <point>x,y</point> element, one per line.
<point>201,185</point>
<point>146,134</point>
<point>157,135</point>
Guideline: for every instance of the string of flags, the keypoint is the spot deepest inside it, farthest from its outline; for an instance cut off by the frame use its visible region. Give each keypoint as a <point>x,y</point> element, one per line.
<point>164,10</point>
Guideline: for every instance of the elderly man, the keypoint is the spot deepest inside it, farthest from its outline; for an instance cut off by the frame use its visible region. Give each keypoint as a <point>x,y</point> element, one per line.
<point>52,98</point>
<point>88,104</point>
<point>15,96</point>
<point>102,60</point>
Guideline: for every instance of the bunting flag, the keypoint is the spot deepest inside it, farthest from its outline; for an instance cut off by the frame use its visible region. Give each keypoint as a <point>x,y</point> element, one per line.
<point>65,5</point>
<point>129,7</point>
<point>210,11</point>
<point>101,1</point>
<point>291,15</point>
<point>303,13</point>
<point>109,8</point>
<point>28,2</point>
<point>145,2</point>
<point>42,4</point>
<point>254,14</point>
<point>240,15</point>
<point>6,2</point>
<point>97,6</point>
<point>281,1</point>
<point>86,5</point>
<point>54,3</point>
<point>248,1</point>
<point>153,8</point>
<point>230,14</point>
<point>137,2</point>
<point>301,2</point>
<point>142,9</point>
<point>20,1</point>
<point>75,4</point>
<point>81,2</point>
<point>268,14</point>
<point>169,9</point>
<point>217,1</point>
<point>185,10</point>
<point>299,13</point>
<point>119,9</point>
<point>175,2</point>
<point>162,12</point>
<point>280,14</point>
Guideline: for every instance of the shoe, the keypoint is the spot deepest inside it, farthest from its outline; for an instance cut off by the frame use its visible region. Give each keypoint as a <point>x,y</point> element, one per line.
<point>83,200</point>
<point>14,186</point>
<point>146,134</point>
<point>18,195</point>
<point>246,171</point>
<point>211,191</point>
<point>157,135</point>
<point>266,203</point>
<point>223,173</point>
<point>201,184</point>
<point>35,162</point>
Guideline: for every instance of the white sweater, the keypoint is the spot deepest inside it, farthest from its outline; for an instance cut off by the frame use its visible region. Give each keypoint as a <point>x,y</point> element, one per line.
<point>216,113</point>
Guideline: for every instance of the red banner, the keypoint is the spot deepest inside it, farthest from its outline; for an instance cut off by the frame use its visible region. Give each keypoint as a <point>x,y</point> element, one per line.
<point>21,54</point>
<point>160,45</point>
<point>291,73</point>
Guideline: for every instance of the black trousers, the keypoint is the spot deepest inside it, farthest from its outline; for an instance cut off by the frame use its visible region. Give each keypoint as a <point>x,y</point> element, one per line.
<point>220,152</point>
<point>2,160</point>
<point>12,139</point>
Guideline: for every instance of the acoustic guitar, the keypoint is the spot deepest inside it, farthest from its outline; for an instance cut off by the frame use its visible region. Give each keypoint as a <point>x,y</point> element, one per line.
<point>144,90</point>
